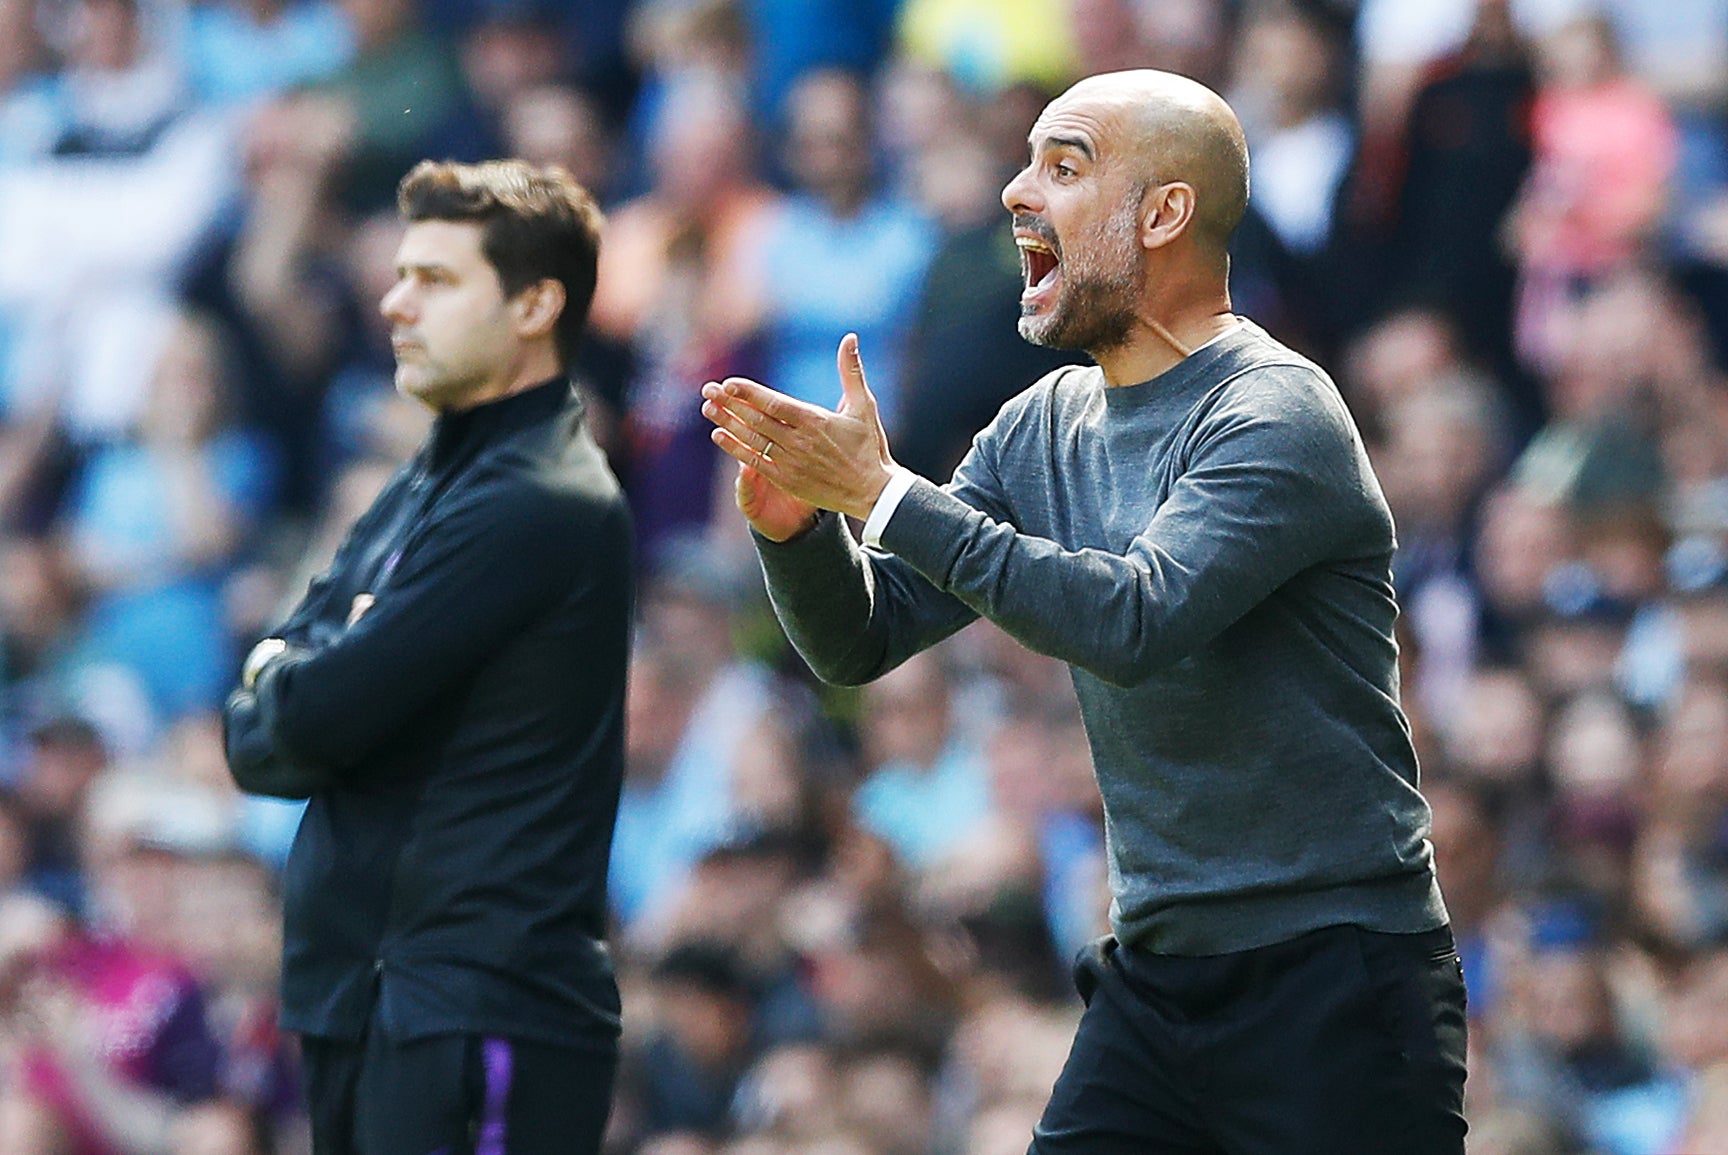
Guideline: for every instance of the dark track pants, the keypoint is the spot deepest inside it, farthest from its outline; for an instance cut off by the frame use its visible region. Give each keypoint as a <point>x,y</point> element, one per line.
<point>1340,1042</point>
<point>455,1095</point>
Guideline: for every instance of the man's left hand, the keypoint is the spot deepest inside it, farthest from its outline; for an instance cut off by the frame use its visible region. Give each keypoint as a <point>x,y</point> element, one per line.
<point>833,459</point>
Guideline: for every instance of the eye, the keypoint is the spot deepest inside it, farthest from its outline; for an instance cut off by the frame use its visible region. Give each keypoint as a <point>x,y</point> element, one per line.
<point>1066,171</point>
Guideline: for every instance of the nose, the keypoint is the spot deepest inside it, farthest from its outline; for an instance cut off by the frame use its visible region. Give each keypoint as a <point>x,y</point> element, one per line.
<point>395,304</point>
<point>1018,194</point>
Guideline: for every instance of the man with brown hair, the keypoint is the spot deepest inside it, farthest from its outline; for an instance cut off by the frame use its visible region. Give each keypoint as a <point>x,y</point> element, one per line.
<point>445,896</point>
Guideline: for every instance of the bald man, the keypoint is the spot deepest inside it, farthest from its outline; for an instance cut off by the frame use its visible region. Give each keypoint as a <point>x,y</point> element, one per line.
<point>1194,527</point>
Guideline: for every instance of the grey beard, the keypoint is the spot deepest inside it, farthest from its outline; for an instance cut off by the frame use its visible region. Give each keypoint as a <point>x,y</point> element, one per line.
<point>1092,316</point>
<point>1096,309</point>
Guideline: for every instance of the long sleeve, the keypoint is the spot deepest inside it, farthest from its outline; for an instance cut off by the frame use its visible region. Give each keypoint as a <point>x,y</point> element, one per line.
<point>468,585</point>
<point>855,613</point>
<point>1267,492</point>
<point>258,764</point>
<point>1211,554</point>
<point>851,613</point>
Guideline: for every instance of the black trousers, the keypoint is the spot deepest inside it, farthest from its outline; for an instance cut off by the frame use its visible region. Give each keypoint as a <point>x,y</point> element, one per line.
<point>1340,1042</point>
<point>455,1095</point>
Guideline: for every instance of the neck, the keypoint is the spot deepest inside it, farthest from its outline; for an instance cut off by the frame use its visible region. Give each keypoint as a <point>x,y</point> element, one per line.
<point>536,366</point>
<point>844,202</point>
<point>1163,339</point>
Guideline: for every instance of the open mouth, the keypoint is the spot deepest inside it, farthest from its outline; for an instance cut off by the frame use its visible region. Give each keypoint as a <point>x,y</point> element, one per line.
<point>1040,266</point>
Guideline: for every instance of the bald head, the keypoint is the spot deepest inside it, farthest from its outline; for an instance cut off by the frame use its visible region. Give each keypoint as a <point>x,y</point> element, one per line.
<point>1169,129</point>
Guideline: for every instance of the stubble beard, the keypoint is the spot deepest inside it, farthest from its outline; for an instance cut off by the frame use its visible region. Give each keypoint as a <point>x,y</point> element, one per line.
<point>438,385</point>
<point>1094,313</point>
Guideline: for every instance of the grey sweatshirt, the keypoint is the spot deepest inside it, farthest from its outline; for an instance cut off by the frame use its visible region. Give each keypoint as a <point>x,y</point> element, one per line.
<point>1210,553</point>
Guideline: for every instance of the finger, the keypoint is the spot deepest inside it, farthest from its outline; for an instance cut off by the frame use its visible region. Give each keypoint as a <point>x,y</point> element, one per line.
<point>719,405</point>
<point>784,409</point>
<point>850,361</point>
<point>748,426</point>
<point>744,453</point>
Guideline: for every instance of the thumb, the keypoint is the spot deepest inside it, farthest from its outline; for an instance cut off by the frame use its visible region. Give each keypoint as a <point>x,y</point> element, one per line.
<point>850,362</point>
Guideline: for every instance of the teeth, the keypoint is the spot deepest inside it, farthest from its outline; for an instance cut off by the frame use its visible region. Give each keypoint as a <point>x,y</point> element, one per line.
<point>1032,245</point>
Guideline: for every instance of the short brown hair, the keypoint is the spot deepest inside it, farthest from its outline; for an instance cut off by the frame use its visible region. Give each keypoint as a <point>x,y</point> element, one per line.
<point>536,223</point>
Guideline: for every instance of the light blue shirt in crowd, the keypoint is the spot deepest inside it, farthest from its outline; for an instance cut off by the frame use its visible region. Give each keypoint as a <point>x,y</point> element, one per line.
<point>665,829</point>
<point>231,59</point>
<point>926,812</point>
<point>827,277</point>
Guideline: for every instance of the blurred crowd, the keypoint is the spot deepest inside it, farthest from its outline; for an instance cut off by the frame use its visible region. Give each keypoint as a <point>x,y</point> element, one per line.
<point>844,918</point>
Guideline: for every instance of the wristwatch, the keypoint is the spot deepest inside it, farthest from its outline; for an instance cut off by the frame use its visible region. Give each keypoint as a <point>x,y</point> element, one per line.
<point>262,655</point>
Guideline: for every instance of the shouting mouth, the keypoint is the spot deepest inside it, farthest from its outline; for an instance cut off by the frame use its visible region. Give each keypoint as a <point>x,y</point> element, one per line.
<point>1040,268</point>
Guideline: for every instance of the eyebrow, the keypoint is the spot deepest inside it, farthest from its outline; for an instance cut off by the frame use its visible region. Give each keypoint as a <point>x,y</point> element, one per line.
<point>1078,143</point>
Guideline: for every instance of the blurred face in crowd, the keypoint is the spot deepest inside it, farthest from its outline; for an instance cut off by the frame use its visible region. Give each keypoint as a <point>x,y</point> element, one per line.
<point>712,1027</point>
<point>1691,763</point>
<point>700,146</point>
<point>105,35</point>
<point>1521,541</point>
<point>230,922</point>
<point>1497,737</point>
<point>35,596</point>
<point>1401,355</point>
<point>886,1098</point>
<point>1569,1004</point>
<point>20,45</point>
<point>907,714</point>
<point>1106,33</point>
<point>451,327</point>
<point>829,138</point>
<point>1579,54</point>
<point>795,1092</point>
<point>214,1129</point>
<point>376,22</point>
<point>1466,846</point>
<point>501,58</point>
<point>1595,758</point>
<point>186,391</point>
<point>30,928</point>
<point>1696,1033</point>
<point>1001,1129</point>
<point>1441,448</point>
<point>554,125</point>
<point>1076,208</point>
<point>14,847</point>
<point>1286,58</point>
<point>60,772</point>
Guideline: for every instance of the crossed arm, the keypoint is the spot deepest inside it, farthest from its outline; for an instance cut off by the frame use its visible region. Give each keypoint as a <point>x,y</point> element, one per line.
<point>318,711</point>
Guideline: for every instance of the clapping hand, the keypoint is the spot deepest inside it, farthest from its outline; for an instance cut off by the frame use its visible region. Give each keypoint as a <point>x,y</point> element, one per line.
<point>796,458</point>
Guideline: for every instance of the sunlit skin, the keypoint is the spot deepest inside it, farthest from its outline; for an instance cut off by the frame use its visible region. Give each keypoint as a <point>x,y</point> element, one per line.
<point>1123,214</point>
<point>458,340</point>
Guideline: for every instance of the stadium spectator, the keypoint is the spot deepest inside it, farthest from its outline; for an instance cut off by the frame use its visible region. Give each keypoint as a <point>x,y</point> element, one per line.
<point>839,256</point>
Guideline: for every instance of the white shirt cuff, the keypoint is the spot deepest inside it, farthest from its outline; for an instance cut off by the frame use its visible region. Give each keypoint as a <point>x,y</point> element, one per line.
<point>898,483</point>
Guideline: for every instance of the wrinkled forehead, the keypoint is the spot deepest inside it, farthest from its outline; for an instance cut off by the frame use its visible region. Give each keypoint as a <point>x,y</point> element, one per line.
<point>1096,124</point>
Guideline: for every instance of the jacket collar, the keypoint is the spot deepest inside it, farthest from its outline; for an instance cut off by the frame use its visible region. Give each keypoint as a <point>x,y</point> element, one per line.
<point>456,432</point>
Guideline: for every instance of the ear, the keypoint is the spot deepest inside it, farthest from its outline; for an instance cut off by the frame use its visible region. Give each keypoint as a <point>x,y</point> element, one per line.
<point>1166,213</point>
<point>538,308</point>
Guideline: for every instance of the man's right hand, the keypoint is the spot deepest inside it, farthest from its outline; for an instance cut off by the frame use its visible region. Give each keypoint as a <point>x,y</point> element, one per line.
<point>770,510</point>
